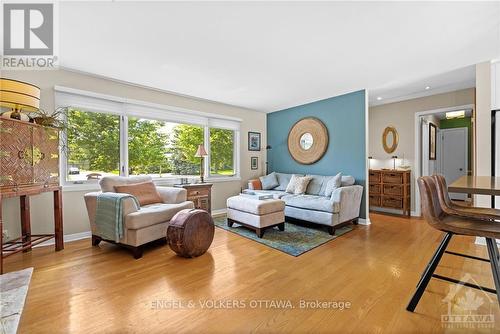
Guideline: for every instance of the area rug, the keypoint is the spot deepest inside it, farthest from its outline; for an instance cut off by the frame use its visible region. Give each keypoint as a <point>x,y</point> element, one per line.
<point>295,240</point>
<point>13,291</point>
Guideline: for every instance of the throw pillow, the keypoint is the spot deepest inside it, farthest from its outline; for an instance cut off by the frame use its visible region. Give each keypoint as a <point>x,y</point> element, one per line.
<point>269,181</point>
<point>145,192</point>
<point>334,183</point>
<point>298,184</point>
<point>255,185</point>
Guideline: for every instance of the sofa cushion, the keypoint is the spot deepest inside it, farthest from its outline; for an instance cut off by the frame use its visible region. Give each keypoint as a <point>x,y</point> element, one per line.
<point>254,206</point>
<point>255,184</point>
<point>145,192</point>
<point>347,180</point>
<point>314,186</point>
<point>298,184</point>
<point>154,214</point>
<point>269,181</point>
<point>312,202</point>
<point>283,180</point>
<point>333,184</point>
<point>108,183</point>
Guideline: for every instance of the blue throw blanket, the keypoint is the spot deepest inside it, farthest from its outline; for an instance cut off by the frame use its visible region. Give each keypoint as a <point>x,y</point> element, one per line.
<point>109,215</point>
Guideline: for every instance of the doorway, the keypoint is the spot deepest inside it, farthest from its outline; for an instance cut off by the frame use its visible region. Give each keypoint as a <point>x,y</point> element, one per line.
<point>451,142</point>
<point>454,156</point>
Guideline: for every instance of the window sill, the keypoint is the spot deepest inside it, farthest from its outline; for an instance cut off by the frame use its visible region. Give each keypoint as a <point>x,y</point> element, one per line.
<point>159,182</point>
<point>81,187</point>
<point>172,181</point>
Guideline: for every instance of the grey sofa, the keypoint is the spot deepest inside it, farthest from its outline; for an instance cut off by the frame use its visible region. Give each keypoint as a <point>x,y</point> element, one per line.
<point>340,209</point>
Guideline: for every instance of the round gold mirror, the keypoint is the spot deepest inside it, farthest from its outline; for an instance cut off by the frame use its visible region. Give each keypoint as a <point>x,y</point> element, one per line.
<point>308,140</point>
<point>390,139</point>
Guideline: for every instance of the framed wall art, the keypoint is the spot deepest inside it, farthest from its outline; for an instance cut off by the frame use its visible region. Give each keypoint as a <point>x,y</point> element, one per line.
<point>254,141</point>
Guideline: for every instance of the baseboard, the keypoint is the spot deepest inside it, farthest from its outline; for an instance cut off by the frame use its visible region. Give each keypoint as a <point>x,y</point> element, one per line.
<point>364,221</point>
<point>67,238</point>
<point>215,213</point>
<point>219,212</point>
<point>392,211</point>
<point>88,234</point>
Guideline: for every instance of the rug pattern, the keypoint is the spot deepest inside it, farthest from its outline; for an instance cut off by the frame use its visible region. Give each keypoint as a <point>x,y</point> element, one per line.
<point>295,240</point>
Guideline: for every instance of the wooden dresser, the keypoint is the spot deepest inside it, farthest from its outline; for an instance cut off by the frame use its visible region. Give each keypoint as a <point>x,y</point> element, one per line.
<point>390,189</point>
<point>200,194</point>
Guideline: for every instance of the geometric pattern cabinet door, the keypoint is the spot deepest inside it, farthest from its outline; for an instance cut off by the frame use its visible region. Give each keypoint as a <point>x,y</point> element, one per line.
<point>16,164</point>
<point>45,155</point>
<point>29,165</point>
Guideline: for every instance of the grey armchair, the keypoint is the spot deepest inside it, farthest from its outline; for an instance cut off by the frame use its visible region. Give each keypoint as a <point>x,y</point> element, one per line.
<point>142,226</point>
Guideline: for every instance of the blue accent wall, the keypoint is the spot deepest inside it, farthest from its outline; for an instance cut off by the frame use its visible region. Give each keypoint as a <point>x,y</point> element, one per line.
<point>344,117</point>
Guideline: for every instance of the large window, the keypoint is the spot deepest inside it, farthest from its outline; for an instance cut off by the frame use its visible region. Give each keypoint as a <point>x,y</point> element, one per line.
<point>111,137</point>
<point>93,145</point>
<point>222,152</point>
<point>163,149</point>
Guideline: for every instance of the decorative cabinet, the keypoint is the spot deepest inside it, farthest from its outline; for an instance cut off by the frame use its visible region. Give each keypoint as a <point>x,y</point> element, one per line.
<point>29,155</point>
<point>200,194</point>
<point>390,189</point>
<point>29,165</point>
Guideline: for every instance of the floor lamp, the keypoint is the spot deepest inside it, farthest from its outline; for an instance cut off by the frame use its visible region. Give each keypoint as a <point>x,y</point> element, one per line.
<point>268,147</point>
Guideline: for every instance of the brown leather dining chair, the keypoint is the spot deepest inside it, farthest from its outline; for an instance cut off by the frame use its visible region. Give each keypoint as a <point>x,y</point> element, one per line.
<point>453,208</point>
<point>453,225</point>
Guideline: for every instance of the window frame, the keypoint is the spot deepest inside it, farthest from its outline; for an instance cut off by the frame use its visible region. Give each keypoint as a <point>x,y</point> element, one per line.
<point>91,102</point>
<point>209,151</point>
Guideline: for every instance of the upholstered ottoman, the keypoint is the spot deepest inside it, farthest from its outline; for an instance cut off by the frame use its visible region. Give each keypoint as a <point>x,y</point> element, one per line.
<point>256,214</point>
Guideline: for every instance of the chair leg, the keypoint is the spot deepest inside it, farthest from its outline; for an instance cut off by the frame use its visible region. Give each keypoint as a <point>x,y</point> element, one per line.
<point>137,252</point>
<point>494,260</point>
<point>259,232</point>
<point>429,270</point>
<point>95,240</point>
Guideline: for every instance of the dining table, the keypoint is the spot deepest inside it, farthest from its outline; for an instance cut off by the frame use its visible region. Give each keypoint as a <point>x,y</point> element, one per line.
<point>477,185</point>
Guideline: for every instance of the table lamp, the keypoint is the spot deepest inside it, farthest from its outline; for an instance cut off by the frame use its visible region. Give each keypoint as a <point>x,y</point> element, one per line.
<point>201,153</point>
<point>19,97</point>
<point>394,157</point>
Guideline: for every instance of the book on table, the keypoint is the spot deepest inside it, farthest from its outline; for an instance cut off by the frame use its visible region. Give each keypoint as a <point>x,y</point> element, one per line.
<point>256,195</point>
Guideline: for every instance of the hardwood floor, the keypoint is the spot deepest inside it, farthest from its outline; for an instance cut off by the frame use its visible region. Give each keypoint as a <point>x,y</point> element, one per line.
<point>85,289</point>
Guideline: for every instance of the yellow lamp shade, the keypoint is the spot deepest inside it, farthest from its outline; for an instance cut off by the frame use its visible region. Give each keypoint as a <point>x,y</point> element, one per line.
<point>19,95</point>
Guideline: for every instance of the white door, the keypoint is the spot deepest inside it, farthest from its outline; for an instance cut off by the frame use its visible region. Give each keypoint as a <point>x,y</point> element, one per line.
<point>454,156</point>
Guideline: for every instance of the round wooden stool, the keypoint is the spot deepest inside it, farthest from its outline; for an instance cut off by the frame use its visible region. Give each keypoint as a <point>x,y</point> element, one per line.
<point>191,232</point>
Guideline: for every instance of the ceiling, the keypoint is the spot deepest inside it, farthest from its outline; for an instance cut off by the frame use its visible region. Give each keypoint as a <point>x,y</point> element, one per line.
<point>405,89</point>
<point>271,56</point>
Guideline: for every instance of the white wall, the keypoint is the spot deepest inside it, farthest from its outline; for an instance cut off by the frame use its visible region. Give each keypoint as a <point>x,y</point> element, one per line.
<point>75,214</point>
<point>429,166</point>
<point>483,127</point>
<point>401,115</point>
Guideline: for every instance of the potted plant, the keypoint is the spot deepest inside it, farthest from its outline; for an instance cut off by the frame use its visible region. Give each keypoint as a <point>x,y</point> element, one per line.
<point>56,119</point>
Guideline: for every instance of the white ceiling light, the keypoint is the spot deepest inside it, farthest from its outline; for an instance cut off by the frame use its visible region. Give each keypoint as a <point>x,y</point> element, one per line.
<point>379,98</point>
<point>455,114</point>
<point>428,87</point>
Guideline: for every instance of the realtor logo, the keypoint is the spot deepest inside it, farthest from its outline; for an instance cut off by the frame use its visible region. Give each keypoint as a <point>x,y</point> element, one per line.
<point>464,307</point>
<point>28,29</point>
<point>29,36</point>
